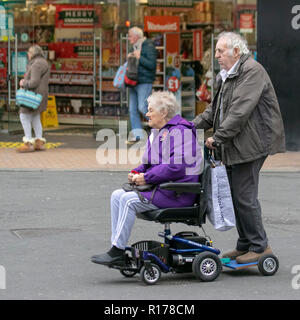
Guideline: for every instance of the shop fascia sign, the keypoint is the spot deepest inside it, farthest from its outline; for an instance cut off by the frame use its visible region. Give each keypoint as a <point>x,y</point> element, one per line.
<point>171,3</point>
<point>162,24</point>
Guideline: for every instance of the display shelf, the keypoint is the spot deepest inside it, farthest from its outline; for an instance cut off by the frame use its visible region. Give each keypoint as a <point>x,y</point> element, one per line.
<point>187,93</point>
<point>71,95</point>
<point>71,72</point>
<point>159,83</point>
<point>188,103</point>
<point>71,83</point>
<point>187,79</point>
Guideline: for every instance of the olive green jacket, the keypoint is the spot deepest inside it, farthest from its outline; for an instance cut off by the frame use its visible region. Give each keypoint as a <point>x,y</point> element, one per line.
<point>252,125</point>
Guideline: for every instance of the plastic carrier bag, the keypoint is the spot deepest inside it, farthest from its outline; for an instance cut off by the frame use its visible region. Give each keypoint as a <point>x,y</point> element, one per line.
<point>119,79</point>
<point>222,215</point>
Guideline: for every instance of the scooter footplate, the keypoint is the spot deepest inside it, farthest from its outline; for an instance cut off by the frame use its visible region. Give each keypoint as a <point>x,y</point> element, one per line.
<point>234,265</point>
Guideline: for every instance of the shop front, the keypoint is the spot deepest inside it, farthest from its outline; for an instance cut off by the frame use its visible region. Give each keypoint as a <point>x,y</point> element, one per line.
<point>86,41</point>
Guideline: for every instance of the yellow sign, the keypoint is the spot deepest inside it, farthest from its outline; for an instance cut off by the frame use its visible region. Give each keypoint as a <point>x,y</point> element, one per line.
<point>49,117</point>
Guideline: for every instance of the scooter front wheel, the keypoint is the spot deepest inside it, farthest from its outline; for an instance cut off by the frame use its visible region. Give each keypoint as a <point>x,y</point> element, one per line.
<point>150,276</point>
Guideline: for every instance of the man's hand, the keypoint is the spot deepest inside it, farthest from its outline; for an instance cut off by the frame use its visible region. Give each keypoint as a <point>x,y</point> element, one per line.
<point>135,53</point>
<point>209,143</point>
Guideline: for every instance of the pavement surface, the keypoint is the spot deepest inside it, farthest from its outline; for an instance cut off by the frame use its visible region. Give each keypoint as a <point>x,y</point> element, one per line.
<point>67,151</point>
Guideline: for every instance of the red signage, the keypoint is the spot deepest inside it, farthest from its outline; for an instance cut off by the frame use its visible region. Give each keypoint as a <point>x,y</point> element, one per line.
<point>197,44</point>
<point>162,24</point>
<point>173,84</point>
<point>74,16</point>
<point>3,65</point>
<point>246,22</point>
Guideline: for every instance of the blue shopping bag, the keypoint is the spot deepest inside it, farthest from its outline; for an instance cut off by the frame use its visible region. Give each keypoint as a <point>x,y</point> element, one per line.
<point>28,99</point>
<point>119,79</point>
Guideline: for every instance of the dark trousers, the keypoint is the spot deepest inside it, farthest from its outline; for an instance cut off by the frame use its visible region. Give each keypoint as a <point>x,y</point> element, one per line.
<point>243,179</point>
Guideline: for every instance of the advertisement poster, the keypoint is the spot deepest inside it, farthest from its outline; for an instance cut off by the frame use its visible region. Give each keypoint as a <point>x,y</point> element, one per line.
<point>245,18</point>
<point>173,74</point>
<point>3,63</point>
<point>197,45</point>
<point>74,16</point>
<point>22,63</point>
<point>246,22</point>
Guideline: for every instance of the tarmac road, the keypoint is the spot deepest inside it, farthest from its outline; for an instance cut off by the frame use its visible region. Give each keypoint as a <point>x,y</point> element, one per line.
<point>51,222</point>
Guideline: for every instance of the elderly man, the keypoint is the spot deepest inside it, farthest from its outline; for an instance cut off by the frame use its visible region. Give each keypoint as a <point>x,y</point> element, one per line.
<point>247,127</point>
<point>145,52</point>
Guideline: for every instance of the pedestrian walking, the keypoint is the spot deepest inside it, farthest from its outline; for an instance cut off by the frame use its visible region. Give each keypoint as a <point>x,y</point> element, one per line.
<point>36,79</point>
<point>247,127</point>
<point>144,50</point>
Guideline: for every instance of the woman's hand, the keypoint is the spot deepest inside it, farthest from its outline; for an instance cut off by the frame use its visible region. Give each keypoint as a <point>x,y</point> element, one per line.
<point>139,179</point>
<point>130,176</point>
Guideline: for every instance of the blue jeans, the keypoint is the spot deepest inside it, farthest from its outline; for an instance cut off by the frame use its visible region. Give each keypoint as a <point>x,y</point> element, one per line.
<point>138,104</point>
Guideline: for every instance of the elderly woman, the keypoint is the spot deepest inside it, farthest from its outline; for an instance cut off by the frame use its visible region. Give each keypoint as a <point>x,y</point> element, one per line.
<point>172,154</point>
<point>36,79</point>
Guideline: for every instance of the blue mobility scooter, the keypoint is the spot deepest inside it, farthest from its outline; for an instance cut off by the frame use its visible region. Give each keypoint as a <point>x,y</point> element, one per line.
<point>184,251</point>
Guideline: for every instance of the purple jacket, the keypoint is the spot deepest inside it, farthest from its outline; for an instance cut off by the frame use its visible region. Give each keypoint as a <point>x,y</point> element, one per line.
<point>172,154</point>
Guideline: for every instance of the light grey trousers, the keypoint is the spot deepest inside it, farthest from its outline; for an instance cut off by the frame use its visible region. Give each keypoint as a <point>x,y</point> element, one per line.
<point>124,207</point>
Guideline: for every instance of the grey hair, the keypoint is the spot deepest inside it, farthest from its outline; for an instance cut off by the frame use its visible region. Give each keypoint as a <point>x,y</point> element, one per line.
<point>137,31</point>
<point>164,101</point>
<point>235,40</point>
<point>36,50</point>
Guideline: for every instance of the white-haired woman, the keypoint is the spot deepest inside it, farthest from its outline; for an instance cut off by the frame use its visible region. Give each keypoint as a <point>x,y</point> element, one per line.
<point>145,52</point>
<point>172,154</point>
<point>36,79</point>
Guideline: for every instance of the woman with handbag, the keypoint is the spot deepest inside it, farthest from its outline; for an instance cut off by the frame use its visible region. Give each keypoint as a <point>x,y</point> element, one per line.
<point>36,79</point>
<point>172,154</point>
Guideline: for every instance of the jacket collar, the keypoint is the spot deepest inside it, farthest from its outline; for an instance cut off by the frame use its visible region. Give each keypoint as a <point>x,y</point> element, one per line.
<point>236,70</point>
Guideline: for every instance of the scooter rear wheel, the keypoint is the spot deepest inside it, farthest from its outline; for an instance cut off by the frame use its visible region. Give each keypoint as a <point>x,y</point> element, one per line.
<point>128,273</point>
<point>268,264</point>
<point>207,266</point>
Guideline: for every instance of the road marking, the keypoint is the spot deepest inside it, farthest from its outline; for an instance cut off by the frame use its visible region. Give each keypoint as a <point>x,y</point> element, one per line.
<point>13,145</point>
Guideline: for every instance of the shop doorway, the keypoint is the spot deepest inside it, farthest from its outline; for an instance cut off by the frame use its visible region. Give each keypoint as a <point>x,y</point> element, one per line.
<point>16,36</point>
<point>13,66</point>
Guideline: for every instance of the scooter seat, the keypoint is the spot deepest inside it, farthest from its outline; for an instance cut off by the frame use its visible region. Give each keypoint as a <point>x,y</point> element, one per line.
<point>187,215</point>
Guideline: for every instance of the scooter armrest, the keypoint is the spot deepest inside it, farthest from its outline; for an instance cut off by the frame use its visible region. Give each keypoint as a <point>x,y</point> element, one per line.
<point>181,187</point>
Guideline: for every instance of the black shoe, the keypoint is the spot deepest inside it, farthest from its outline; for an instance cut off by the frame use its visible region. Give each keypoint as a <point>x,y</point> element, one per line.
<point>113,256</point>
